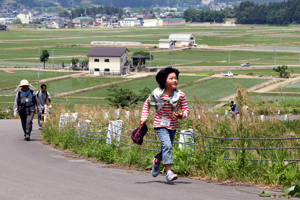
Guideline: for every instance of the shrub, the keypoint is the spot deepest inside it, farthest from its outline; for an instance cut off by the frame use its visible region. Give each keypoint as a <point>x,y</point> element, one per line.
<point>250,74</point>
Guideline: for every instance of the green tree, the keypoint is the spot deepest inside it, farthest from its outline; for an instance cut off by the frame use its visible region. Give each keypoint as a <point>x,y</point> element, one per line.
<point>144,53</point>
<point>74,61</point>
<point>86,61</point>
<point>121,97</point>
<point>144,94</point>
<point>282,71</point>
<point>17,21</point>
<point>44,56</point>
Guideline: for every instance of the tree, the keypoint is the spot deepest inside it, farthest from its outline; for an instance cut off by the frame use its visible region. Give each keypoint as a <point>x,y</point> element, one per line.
<point>144,53</point>
<point>144,94</point>
<point>282,71</point>
<point>74,61</point>
<point>17,21</point>
<point>44,56</point>
<point>121,97</point>
<point>86,61</point>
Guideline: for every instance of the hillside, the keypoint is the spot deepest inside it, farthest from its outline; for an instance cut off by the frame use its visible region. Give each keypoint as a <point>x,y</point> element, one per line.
<point>115,3</point>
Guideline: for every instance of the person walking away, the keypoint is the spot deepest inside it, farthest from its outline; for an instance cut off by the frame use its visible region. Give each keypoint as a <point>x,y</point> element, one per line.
<point>167,100</point>
<point>24,104</point>
<point>47,109</point>
<point>41,97</point>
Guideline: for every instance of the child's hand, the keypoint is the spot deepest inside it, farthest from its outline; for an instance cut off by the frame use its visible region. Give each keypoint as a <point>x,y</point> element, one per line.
<point>178,115</point>
<point>143,121</point>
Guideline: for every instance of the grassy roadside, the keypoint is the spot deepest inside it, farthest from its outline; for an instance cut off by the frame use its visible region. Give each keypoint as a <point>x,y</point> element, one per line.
<point>203,161</point>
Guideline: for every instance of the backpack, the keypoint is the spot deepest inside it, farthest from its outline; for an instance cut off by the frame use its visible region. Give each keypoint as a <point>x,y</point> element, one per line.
<point>22,107</point>
<point>38,93</point>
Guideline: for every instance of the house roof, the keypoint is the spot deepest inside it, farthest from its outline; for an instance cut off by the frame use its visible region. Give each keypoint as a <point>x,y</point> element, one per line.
<point>84,18</point>
<point>107,51</point>
<point>139,56</point>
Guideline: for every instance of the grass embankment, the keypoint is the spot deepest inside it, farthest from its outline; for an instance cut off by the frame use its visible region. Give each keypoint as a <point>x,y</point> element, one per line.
<point>206,159</point>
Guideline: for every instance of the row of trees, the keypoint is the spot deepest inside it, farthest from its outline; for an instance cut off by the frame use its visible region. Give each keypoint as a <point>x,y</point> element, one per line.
<point>281,13</point>
<point>109,10</point>
<point>193,15</point>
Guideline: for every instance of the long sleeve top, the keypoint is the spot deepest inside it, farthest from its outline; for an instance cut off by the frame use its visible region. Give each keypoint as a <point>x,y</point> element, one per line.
<point>166,113</point>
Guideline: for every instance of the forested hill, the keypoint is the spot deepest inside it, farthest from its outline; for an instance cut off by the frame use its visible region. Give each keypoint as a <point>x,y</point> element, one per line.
<point>282,13</point>
<point>115,3</point>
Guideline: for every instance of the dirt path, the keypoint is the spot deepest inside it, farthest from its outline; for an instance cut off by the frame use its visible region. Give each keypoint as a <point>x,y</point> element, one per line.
<point>284,83</point>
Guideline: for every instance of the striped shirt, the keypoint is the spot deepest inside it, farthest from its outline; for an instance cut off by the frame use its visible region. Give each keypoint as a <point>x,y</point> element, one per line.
<point>166,112</point>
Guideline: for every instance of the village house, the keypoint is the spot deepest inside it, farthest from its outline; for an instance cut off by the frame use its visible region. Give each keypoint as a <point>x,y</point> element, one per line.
<point>108,61</point>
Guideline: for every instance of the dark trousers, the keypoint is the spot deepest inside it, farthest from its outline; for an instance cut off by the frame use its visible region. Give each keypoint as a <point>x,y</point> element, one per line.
<point>26,120</point>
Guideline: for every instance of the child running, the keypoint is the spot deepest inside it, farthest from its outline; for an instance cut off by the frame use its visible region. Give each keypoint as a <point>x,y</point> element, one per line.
<point>167,100</point>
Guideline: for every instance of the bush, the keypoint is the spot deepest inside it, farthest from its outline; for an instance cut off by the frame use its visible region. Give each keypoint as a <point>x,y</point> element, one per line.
<point>295,111</point>
<point>261,75</point>
<point>250,74</point>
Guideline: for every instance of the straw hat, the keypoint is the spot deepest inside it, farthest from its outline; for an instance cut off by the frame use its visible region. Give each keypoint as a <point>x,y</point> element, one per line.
<point>24,82</point>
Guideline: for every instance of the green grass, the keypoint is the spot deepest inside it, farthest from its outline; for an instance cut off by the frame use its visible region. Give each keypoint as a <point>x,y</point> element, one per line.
<point>135,86</point>
<point>66,42</point>
<point>13,79</point>
<point>274,97</point>
<point>70,84</point>
<point>217,88</point>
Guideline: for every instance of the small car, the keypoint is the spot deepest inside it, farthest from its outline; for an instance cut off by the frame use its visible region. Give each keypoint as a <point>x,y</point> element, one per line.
<point>246,65</point>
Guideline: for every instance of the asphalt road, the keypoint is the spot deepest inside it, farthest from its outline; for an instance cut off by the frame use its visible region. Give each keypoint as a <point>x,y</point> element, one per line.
<point>34,171</point>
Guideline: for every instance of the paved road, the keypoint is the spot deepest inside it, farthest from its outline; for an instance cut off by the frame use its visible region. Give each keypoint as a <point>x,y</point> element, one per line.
<point>33,171</point>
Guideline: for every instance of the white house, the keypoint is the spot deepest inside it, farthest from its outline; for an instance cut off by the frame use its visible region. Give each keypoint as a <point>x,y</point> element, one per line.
<point>109,61</point>
<point>25,18</point>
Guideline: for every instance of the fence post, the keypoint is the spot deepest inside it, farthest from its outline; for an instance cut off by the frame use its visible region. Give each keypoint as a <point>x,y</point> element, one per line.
<point>117,113</point>
<point>114,131</point>
<point>74,117</point>
<point>86,124</point>
<point>262,118</point>
<point>117,130</point>
<point>186,138</point>
<point>127,114</point>
<point>286,118</point>
<point>109,133</point>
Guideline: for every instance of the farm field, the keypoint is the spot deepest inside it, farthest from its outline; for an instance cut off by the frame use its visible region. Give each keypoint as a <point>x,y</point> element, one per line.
<point>217,88</point>
<point>70,84</point>
<point>68,43</point>
<point>135,86</point>
<point>13,78</point>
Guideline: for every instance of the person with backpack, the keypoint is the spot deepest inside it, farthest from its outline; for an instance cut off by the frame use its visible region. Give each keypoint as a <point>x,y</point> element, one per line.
<point>25,103</point>
<point>41,97</point>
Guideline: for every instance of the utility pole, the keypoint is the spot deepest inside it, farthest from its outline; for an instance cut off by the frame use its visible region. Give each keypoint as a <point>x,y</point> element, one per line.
<point>150,57</point>
<point>52,57</point>
<point>221,39</point>
<point>171,52</point>
<point>274,57</point>
<point>39,66</point>
<point>280,41</point>
<point>229,60</point>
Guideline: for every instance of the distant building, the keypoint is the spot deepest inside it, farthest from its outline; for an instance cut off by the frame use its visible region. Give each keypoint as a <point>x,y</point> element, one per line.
<point>130,22</point>
<point>171,22</point>
<point>25,18</point>
<point>179,40</point>
<point>108,61</point>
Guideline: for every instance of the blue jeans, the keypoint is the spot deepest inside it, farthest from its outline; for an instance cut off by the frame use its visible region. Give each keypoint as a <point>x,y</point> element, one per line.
<point>39,117</point>
<point>166,137</point>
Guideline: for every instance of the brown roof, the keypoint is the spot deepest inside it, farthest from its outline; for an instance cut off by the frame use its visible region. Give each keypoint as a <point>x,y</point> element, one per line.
<point>107,51</point>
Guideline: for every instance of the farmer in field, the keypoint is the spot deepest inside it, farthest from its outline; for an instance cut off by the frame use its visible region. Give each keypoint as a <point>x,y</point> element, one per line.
<point>167,100</point>
<point>41,97</point>
<point>25,102</point>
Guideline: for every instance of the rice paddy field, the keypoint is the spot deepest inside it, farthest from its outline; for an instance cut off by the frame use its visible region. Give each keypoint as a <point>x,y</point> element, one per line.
<point>223,46</point>
<point>21,47</point>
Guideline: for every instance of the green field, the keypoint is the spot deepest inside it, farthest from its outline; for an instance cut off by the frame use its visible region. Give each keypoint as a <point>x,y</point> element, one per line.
<point>21,47</point>
<point>135,86</point>
<point>217,88</point>
<point>13,79</point>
